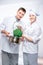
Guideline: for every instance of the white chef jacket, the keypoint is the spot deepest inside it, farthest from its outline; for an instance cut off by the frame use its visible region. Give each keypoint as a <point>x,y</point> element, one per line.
<point>9,24</point>
<point>33,31</point>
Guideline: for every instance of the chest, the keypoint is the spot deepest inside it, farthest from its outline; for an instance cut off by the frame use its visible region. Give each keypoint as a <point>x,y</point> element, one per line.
<point>30,30</point>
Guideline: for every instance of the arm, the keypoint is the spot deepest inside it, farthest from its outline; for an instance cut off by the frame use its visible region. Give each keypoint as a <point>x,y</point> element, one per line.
<point>27,38</point>
<point>5,32</point>
<point>36,36</point>
<point>3,28</point>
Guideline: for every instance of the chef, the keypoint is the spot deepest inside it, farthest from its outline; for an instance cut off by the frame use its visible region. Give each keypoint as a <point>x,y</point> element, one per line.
<point>10,51</point>
<point>31,36</point>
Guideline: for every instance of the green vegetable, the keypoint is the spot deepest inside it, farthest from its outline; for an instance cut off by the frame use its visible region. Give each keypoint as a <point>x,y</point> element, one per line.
<point>17,33</point>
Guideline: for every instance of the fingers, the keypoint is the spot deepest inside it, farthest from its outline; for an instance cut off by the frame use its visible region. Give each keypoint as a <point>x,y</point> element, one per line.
<point>19,27</point>
<point>22,38</point>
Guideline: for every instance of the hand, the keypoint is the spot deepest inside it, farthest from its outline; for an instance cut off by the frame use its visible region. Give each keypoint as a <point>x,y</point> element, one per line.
<point>22,38</point>
<point>20,27</point>
<point>5,32</point>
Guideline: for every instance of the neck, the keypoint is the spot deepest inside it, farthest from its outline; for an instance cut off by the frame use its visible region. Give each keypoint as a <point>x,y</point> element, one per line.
<point>32,22</point>
<point>17,18</point>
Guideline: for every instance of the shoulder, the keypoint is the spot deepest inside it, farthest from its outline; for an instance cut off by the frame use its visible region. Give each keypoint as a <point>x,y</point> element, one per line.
<point>8,20</point>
